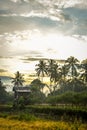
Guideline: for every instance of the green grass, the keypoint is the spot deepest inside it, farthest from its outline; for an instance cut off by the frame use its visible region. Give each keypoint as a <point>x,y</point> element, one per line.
<point>44,112</point>
<point>42,118</point>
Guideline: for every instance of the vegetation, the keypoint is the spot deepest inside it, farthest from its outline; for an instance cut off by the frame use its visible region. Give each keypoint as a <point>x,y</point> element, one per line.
<point>65,106</point>
<point>18,80</point>
<point>72,64</point>
<point>6,124</point>
<point>41,69</point>
<point>65,80</point>
<point>43,117</point>
<point>4,95</point>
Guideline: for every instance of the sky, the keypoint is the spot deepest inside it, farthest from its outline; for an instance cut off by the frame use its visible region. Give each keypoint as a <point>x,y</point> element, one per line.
<point>31,30</point>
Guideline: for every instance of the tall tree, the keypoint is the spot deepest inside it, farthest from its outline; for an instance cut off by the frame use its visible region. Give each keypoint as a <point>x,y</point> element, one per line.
<point>84,73</point>
<point>41,69</point>
<point>64,71</point>
<point>3,93</point>
<point>36,95</point>
<point>56,73</point>
<point>38,84</point>
<point>18,80</point>
<point>72,64</point>
<point>55,76</point>
<point>50,69</point>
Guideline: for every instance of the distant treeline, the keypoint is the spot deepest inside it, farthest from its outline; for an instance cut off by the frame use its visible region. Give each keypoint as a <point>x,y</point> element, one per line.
<point>67,83</point>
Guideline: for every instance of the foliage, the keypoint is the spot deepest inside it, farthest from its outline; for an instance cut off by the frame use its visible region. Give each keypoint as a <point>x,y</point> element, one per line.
<point>72,64</point>
<point>52,71</point>
<point>21,102</point>
<point>72,98</point>
<point>74,85</point>
<point>38,84</point>
<point>65,76</point>
<point>68,77</point>
<point>36,96</point>
<point>18,80</point>
<point>41,69</point>
<point>52,112</point>
<point>4,96</point>
<point>84,73</point>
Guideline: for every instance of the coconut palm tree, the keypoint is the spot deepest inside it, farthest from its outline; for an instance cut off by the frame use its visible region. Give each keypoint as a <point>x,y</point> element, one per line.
<point>55,75</point>
<point>41,69</point>
<point>64,71</point>
<point>63,76</point>
<point>18,80</point>
<point>84,67</point>
<point>3,93</point>
<point>50,69</point>
<point>72,65</point>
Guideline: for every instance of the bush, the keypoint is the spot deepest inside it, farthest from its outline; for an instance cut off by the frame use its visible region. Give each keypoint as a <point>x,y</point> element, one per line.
<point>69,98</point>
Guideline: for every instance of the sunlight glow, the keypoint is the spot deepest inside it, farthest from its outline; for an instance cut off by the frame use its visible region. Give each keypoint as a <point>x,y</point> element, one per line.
<point>62,46</point>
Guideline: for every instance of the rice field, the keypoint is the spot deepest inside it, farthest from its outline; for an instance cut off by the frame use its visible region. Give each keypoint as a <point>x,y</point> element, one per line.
<point>11,124</point>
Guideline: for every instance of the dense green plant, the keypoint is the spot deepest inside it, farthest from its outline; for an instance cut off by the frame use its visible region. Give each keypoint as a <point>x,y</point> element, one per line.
<point>70,98</point>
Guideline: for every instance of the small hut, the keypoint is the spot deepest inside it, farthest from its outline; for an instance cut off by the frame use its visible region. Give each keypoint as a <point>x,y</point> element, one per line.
<point>21,91</point>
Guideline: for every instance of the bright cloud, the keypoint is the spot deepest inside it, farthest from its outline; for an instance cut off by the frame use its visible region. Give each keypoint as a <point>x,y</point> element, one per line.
<point>34,29</point>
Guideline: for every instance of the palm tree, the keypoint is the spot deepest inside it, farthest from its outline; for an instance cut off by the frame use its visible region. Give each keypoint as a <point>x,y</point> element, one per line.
<point>55,76</point>
<point>41,69</point>
<point>72,64</point>
<point>50,69</point>
<point>18,80</point>
<point>84,67</point>
<point>64,71</point>
<point>3,93</point>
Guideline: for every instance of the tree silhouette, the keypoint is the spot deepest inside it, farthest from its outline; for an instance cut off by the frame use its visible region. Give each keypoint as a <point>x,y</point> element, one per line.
<point>64,71</point>
<point>50,69</point>
<point>41,69</point>
<point>3,93</point>
<point>56,73</point>
<point>18,80</point>
<point>84,67</point>
<point>72,64</point>
<point>38,84</point>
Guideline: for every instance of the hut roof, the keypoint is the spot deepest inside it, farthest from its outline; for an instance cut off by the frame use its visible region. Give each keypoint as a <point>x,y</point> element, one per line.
<point>21,89</point>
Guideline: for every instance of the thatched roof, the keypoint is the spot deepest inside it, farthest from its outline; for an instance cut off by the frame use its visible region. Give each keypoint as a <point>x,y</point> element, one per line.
<point>21,89</point>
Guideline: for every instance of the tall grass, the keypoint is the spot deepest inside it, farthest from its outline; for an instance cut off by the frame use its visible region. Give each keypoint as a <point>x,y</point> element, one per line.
<point>8,124</point>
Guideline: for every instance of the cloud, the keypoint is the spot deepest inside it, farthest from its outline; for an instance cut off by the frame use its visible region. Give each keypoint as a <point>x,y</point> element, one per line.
<point>27,60</point>
<point>79,24</point>
<point>51,51</point>
<point>81,4</point>
<point>38,6</point>
<point>33,56</point>
<point>2,70</point>
<point>30,59</point>
<point>6,57</point>
<point>68,22</point>
<point>48,16</point>
<point>4,48</point>
<point>11,24</point>
<point>65,17</point>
